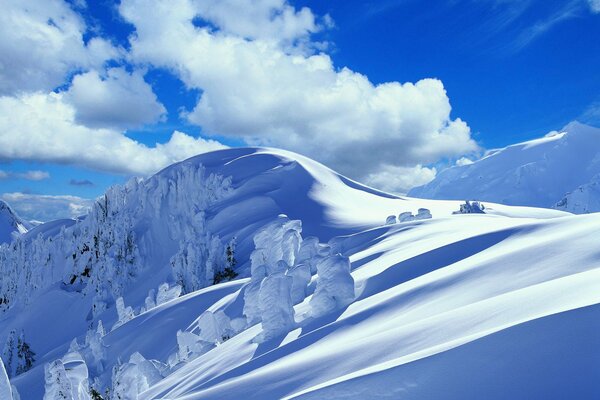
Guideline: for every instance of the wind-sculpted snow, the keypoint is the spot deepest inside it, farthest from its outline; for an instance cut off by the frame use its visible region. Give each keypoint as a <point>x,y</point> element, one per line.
<point>323,291</point>
<point>538,173</point>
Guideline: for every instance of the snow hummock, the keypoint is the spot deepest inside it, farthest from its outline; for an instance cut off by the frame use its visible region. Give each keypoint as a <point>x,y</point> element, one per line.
<point>561,167</point>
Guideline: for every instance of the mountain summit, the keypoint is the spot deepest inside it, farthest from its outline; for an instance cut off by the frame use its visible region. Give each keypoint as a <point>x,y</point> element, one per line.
<point>11,225</point>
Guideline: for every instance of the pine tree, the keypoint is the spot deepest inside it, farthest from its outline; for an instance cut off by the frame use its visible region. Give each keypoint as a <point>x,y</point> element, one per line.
<point>228,273</point>
<point>9,353</point>
<point>25,355</point>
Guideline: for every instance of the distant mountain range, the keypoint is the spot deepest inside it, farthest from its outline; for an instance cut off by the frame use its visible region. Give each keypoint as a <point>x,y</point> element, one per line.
<point>560,170</point>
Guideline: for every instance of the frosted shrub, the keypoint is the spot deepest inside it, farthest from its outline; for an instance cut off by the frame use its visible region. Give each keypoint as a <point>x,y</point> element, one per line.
<point>335,285</point>
<point>390,220</point>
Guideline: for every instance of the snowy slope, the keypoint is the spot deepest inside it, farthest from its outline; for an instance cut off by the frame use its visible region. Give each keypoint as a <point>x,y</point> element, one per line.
<point>11,225</point>
<point>423,292</point>
<point>435,295</point>
<point>538,173</point>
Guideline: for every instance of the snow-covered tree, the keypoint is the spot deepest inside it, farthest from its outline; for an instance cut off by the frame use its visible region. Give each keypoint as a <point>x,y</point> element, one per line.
<point>134,377</point>
<point>95,349</point>
<point>17,354</point>
<point>103,254</point>
<point>9,353</point>
<point>335,285</point>
<point>277,310</point>
<point>58,386</point>
<point>471,207</point>
<point>167,293</point>
<point>228,272</point>
<point>25,356</point>
<point>124,314</point>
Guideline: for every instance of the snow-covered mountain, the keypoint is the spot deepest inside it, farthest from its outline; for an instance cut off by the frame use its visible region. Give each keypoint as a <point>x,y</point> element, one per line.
<point>259,273</point>
<point>558,171</point>
<point>11,225</point>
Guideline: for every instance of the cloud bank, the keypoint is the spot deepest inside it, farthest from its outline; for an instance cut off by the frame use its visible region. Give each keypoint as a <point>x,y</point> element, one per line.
<point>263,76</point>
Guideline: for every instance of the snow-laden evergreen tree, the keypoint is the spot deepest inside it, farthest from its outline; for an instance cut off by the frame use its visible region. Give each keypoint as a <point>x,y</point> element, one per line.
<point>17,354</point>
<point>95,349</point>
<point>335,285</point>
<point>134,377</point>
<point>471,207</point>
<point>25,356</point>
<point>124,314</point>
<point>9,353</point>
<point>275,303</point>
<point>58,386</point>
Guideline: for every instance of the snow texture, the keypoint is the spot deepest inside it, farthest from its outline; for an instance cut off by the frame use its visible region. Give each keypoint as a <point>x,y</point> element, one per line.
<point>439,306</point>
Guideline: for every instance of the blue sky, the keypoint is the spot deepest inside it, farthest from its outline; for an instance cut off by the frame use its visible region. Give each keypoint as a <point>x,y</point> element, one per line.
<point>89,89</point>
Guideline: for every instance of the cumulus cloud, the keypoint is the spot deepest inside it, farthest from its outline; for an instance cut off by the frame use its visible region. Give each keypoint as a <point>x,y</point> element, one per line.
<point>43,127</point>
<point>273,20</point>
<point>39,207</point>
<point>34,175</point>
<point>463,161</point>
<point>594,5</point>
<point>41,42</point>
<point>117,99</point>
<point>256,89</point>
<point>400,180</point>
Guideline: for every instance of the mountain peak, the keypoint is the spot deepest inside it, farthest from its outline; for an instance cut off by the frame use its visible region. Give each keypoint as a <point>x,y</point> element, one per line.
<point>11,224</point>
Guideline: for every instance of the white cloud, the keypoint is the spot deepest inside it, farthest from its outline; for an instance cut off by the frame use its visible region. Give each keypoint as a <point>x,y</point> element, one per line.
<point>34,175</point>
<point>463,161</point>
<point>118,99</point>
<point>41,42</point>
<point>273,20</point>
<point>46,207</point>
<point>268,94</point>
<point>591,115</point>
<point>42,127</point>
<point>400,180</point>
<point>594,5</point>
